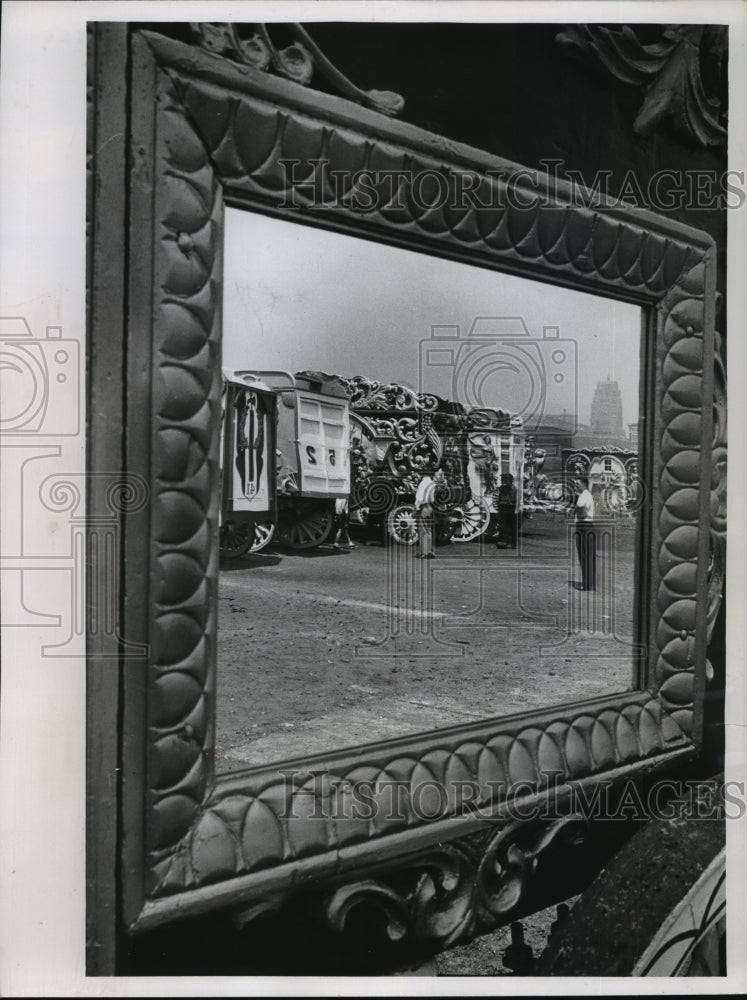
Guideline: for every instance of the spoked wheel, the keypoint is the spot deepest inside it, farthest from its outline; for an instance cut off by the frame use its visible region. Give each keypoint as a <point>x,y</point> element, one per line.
<point>402,524</point>
<point>306,524</point>
<point>237,538</point>
<point>263,535</point>
<point>471,519</point>
<point>444,528</point>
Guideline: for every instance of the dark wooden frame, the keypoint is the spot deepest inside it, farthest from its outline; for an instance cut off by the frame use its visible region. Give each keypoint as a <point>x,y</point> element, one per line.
<point>166,838</point>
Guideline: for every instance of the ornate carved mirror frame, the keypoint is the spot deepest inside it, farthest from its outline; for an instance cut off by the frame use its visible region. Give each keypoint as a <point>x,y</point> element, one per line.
<point>203,133</point>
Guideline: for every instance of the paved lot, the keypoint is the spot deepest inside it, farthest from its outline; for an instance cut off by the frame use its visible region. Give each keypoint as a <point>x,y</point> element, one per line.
<point>326,649</point>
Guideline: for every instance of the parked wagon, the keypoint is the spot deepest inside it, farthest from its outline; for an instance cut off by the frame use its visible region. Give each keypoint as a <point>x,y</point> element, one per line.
<point>313,453</point>
<point>613,477</point>
<point>398,434</point>
<point>248,511</point>
<point>285,459</point>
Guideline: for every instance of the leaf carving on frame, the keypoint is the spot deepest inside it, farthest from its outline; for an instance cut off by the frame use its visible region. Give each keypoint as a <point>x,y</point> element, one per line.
<point>683,74</point>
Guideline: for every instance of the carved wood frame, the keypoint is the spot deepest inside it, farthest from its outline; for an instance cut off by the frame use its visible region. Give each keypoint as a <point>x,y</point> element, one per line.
<point>205,132</point>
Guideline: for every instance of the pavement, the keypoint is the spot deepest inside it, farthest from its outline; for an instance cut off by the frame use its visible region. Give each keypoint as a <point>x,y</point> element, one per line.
<point>327,648</point>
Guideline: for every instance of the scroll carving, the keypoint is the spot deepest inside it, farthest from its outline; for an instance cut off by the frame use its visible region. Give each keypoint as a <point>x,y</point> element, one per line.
<point>401,433</point>
<point>459,890</point>
<point>366,394</point>
<point>298,61</point>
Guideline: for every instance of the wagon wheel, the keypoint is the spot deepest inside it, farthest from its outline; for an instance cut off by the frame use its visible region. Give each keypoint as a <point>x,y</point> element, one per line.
<point>237,538</point>
<point>263,533</point>
<point>471,519</point>
<point>402,524</point>
<point>443,530</point>
<point>306,524</point>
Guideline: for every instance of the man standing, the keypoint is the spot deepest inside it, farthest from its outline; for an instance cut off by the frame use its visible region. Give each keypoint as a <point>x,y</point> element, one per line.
<point>424,498</point>
<point>586,542</point>
<point>342,520</point>
<point>507,512</point>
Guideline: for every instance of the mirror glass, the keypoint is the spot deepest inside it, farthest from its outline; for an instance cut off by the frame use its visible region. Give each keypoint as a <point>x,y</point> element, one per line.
<point>430,493</point>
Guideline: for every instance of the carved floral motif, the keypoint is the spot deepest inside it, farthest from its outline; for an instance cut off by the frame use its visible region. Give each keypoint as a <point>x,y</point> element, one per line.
<point>673,72</point>
<point>366,394</point>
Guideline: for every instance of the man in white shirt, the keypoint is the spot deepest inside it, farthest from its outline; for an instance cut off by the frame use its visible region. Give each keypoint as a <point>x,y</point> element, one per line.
<point>424,497</point>
<point>586,542</point>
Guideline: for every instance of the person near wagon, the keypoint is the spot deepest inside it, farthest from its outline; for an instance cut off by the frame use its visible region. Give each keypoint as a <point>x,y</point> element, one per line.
<point>585,533</point>
<point>506,502</point>
<point>424,500</point>
<point>342,520</point>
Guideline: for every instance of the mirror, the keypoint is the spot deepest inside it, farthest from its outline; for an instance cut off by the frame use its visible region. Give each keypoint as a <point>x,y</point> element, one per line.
<point>351,370</point>
<point>205,138</point>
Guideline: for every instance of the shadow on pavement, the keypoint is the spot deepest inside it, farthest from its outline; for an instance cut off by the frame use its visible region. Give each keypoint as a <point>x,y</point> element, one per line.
<point>249,561</point>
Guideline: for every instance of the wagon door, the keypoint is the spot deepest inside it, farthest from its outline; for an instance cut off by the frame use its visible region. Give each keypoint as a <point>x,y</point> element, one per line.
<point>323,446</point>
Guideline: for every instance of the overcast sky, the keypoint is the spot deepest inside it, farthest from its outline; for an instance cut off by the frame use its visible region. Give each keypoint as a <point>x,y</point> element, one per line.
<point>297,298</point>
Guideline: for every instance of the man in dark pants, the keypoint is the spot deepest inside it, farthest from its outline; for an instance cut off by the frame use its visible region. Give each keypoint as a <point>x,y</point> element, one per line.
<point>586,541</point>
<point>507,512</point>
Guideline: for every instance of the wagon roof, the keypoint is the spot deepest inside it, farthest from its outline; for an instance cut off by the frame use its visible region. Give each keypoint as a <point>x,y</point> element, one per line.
<point>371,397</point>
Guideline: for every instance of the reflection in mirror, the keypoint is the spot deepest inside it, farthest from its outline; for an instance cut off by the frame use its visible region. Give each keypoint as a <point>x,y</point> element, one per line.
<point>431,502</point>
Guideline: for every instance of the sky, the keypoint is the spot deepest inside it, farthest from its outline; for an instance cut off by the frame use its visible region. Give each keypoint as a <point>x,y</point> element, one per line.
<point>297,298</point>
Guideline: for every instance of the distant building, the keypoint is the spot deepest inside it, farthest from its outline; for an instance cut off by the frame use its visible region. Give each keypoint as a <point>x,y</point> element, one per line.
<point>558,433</point>
<point>612,474</point>
<point>607,411</point>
